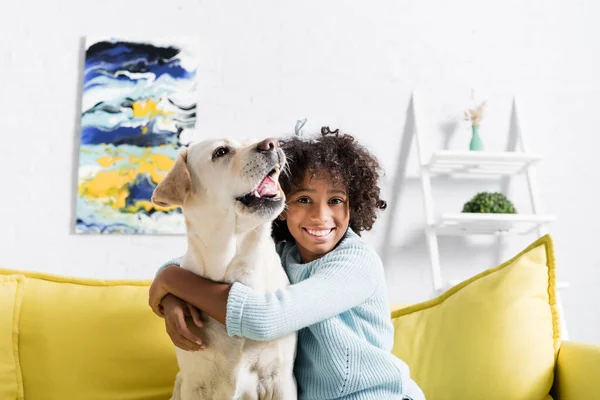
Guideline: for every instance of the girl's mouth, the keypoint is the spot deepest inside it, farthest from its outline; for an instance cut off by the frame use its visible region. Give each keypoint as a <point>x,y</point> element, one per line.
<point>319,233</point>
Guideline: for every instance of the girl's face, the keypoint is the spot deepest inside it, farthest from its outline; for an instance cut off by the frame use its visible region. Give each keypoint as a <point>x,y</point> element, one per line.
<point>317,215</point>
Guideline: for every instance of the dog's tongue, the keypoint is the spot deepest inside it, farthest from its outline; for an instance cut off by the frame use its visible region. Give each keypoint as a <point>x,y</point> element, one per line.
<point>268,187</point>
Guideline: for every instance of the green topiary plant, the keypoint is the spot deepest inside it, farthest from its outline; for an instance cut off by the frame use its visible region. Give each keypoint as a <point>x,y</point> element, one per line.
<point>485,202</point>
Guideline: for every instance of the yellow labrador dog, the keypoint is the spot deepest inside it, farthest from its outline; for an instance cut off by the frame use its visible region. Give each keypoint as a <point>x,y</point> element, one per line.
<point>229,193</point>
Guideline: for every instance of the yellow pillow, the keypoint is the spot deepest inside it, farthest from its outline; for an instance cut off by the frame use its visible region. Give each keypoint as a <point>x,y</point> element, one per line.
<point>494,336</point>
<point>92,339</point>
<point>11,292</point>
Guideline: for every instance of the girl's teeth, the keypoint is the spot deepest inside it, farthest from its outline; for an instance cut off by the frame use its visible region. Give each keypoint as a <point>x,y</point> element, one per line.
<point>319,233</point>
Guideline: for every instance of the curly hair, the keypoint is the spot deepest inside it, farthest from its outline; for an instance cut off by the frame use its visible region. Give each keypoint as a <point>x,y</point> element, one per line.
<point>342,159</point>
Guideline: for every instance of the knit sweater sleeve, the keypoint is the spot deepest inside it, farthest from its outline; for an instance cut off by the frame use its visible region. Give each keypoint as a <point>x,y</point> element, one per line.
<point>342,279</point>
<point>175,261</point>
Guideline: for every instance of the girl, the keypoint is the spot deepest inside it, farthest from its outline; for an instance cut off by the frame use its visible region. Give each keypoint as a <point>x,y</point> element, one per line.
<point>337,299</point>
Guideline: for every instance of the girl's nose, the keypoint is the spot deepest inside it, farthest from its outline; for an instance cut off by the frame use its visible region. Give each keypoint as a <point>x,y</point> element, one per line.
<point>321,213</point>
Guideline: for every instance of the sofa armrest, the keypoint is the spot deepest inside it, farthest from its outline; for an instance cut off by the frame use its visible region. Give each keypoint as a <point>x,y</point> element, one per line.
<point>577,372</point>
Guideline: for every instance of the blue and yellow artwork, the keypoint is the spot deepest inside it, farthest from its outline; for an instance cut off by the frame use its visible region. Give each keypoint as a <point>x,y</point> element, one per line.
<point>138,107</point>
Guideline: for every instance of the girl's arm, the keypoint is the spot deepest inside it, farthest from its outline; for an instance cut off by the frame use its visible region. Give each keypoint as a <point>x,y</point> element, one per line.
<point>345,278</point>
<point>204,294</point>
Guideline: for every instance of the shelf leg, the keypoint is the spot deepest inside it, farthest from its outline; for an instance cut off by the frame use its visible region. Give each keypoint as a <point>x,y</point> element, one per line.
<point>430,230</point>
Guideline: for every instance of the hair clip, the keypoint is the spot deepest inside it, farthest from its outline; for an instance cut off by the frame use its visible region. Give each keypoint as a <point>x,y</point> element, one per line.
<point>326,131</point>
<point>298,128</point>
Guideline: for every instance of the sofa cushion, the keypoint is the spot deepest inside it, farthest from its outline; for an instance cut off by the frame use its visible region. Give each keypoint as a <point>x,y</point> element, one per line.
<point>11,294</point>
<point>92,339</point>
<point>494,336</point>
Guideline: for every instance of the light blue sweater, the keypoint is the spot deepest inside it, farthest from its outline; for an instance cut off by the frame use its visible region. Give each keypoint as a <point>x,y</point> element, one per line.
<point>339,305</point>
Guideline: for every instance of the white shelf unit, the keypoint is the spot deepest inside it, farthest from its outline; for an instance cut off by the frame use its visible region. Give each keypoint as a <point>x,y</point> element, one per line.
<point>491,224</point>
<point>479,164</point>
<point>473,165</point>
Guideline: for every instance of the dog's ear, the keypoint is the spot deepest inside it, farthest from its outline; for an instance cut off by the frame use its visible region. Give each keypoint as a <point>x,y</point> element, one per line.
<point>171,191</point>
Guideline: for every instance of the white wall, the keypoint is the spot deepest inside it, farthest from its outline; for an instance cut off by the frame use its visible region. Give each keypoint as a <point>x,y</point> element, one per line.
<point>347,64</point>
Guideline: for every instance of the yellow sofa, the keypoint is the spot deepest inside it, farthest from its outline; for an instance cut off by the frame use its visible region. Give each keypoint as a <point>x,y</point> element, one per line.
<point>64,338</point>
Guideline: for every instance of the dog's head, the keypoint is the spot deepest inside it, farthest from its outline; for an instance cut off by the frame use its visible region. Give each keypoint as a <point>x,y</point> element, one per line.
<point>238,175</point>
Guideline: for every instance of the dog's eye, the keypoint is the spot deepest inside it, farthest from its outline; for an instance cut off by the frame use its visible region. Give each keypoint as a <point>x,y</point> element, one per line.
<point>220,152</point>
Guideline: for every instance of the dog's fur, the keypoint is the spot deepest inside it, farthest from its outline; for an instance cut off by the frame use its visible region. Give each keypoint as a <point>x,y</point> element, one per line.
<point>230,241</point>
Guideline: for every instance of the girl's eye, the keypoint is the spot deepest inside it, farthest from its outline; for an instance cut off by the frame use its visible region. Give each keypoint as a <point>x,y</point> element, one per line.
<point>303,200</point>
<point>336,201</point>
<point>220,152</point>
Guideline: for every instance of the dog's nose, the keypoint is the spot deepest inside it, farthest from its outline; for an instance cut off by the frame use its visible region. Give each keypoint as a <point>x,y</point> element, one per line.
<point>268,144</point>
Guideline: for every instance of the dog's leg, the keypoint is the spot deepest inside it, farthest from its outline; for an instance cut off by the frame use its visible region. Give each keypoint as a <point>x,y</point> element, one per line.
<point>241,392</point>
<point>246,386</point>
<point>177,388</point>
<point>282,389</point>
<point>195,390</point>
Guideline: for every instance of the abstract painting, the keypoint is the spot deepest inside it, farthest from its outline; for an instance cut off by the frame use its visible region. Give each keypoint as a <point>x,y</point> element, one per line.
<point>138,106</point>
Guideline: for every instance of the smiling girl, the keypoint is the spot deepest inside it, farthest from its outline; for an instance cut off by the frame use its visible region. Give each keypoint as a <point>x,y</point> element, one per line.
<point>337,299</point>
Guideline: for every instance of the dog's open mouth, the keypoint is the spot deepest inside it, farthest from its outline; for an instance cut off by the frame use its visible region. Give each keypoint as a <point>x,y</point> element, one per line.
<point>267,190</point>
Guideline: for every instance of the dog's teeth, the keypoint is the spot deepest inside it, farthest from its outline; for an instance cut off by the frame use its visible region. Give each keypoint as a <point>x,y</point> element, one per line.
<point>256,194</point>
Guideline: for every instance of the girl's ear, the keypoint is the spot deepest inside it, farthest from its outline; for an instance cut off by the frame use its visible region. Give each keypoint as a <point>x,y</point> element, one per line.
<point>282,216</point>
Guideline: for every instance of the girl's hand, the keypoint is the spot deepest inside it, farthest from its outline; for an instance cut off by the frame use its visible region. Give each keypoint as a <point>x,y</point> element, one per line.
<point>157,293</point>
<point>208,296</point>
<point>176,311</point>
<point>158,290</point>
